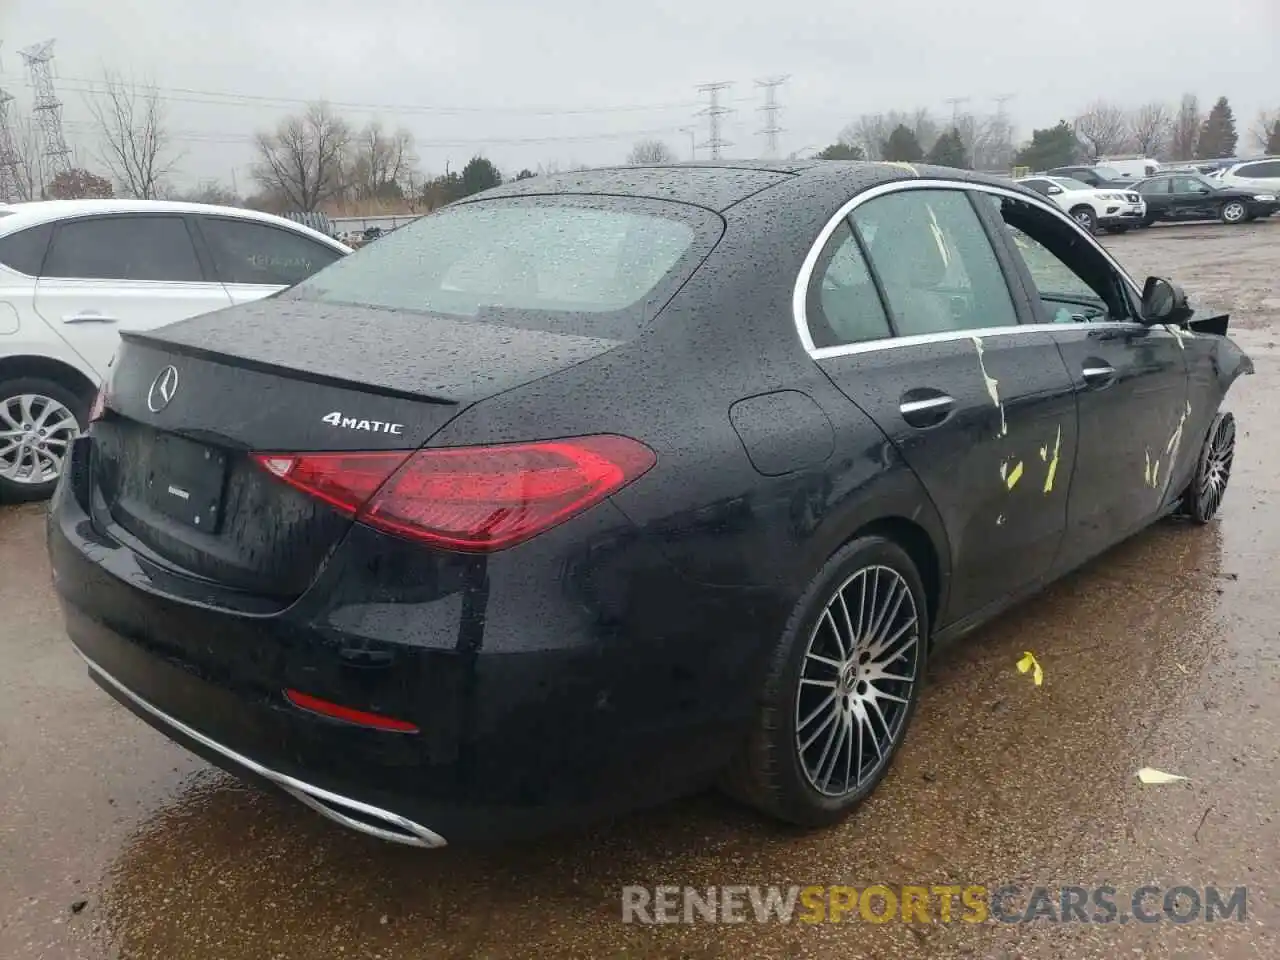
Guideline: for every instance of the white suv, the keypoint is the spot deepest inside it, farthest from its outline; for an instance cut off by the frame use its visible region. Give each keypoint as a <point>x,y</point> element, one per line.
<point>74,272</point>
<point>1113,209</point>
<point>1262,174</point>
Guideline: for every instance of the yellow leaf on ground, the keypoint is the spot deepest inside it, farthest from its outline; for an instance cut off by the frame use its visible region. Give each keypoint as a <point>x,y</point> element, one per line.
<point>1151,775</point>
<point>1029,662</point>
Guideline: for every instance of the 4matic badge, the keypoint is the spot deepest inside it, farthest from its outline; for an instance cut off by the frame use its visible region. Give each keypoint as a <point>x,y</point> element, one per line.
<point>338,419</point>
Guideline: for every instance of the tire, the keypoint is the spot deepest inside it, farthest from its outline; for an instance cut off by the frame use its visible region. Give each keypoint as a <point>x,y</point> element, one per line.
<point>1086,217</point>
<point>40,404</point>
<point>1116,229</point>
<point>1203,496</point>
<point>1233,212</point>
<point>1148,221</point>
<point>821,782</point>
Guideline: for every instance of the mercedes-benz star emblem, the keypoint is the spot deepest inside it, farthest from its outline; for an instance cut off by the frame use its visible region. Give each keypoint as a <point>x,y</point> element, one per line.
<point>162,389</point>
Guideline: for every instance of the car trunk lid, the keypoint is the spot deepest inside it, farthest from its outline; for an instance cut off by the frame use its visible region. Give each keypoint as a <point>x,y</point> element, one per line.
<point>190,404</point>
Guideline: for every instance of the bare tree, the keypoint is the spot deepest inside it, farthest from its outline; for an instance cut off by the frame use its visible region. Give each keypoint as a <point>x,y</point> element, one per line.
<point>1266,129</point>
<point>134,141</point>
<point>305,161</point>
<point>647,152</point>
<point>871,130</point>
<point>1186,128</point>
<point>1151,124</point>
<point>1103,126</point>
<point>384,163</point>
<point>211,191</point>
<point>30,171</point>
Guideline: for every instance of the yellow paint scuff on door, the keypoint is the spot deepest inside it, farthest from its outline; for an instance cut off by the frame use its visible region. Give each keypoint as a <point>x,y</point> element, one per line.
<point>1053,464</point>
<point>1011,475</point>
<point>1175,441</point>
<point>993,386</point>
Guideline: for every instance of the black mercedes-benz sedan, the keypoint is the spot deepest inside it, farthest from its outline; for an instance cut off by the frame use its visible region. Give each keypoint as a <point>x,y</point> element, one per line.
<point>600,488</point>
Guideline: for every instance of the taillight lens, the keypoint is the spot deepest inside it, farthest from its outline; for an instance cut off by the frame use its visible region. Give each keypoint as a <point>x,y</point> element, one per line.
<point>474,499</point>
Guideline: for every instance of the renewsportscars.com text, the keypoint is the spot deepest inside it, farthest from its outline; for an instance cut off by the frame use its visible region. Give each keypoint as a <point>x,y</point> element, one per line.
<point>977,903</point>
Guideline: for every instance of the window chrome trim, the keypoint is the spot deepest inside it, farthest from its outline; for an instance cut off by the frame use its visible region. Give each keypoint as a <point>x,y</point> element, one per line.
<point>800,292</point>
<point>980,333</point>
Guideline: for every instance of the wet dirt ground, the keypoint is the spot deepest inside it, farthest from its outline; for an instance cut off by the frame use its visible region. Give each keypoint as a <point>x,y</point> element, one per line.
<point>1164,653</point>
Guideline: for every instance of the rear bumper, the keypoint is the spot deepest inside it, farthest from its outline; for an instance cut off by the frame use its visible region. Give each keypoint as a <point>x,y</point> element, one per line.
<point>571,678</point>
<point>362,817</point>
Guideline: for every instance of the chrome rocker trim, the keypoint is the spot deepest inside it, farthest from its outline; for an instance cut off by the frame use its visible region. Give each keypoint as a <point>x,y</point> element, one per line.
<point>397,829</point>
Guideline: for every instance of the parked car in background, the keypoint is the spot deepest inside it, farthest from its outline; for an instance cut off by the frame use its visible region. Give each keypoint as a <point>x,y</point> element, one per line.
<point>1112,210</point>
<point>74,274</point>
<point>1130,168</point>
<point>588,491</point>
<point>1260,176</point>
<point>1183,196</point>
<point>1096,177</point>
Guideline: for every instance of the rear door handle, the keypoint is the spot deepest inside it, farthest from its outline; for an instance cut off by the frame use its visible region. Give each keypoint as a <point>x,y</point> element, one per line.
<point>1098,374</point>
<point>89,316</point>
<point>927,411</point>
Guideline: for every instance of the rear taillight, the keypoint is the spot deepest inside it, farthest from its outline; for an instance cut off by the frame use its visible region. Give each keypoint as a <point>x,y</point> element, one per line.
<point>474,499</point>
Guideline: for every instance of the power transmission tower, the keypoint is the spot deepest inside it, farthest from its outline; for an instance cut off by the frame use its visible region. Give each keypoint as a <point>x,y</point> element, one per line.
<point>955,108</point>
<point>713,112</point>
<point>771,109</point>
<point>46,108</point>
<point>1003,132</point>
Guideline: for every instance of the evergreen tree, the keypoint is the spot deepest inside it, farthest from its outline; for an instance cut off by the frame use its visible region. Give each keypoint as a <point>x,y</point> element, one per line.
<point>948,151</point>
<point>902,145</point>
<point>1049,148</point>
<point>1218,134</point>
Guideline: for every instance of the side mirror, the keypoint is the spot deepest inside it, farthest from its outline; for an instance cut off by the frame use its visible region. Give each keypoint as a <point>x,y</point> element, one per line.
<point>1054,190</point>
<point>1164,302</point>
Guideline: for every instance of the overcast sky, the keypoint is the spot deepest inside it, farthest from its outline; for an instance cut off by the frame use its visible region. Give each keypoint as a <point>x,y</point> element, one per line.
<point>484,75</point>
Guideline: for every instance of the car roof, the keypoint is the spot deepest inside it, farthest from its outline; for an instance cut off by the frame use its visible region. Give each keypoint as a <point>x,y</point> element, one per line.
<point>18,216</point>
<point>719,185</point>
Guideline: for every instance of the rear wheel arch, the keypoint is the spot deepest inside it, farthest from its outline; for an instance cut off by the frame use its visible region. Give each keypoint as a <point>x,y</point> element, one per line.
<point>46,368</point>
<point>919,546</point>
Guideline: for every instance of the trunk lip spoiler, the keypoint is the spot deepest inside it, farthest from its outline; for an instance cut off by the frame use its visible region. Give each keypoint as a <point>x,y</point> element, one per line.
<point>261,366</point>
<point>397,829</point>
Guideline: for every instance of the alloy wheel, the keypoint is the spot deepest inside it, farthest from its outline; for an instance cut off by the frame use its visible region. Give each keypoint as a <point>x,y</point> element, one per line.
<point>35,436</point>
<point>857,681</point>
<point>1085,217</point>
<point>1233,212</point>
<point>1215,469</point>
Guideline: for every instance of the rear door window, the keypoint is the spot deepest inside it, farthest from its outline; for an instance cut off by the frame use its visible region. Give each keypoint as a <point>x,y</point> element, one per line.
<point>258,253</point>
<point>24,251</point>
<point>594,266</point>
<point>157,248</point>
<point>935,262</point>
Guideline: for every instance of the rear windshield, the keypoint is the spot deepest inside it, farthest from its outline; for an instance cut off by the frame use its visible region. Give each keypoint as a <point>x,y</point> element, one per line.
<point>595,266</point>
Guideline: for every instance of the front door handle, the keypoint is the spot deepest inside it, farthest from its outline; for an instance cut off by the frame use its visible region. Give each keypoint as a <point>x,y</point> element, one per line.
<point>89,316</point>
<point>1096,373</point>
<point>927,411</point>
